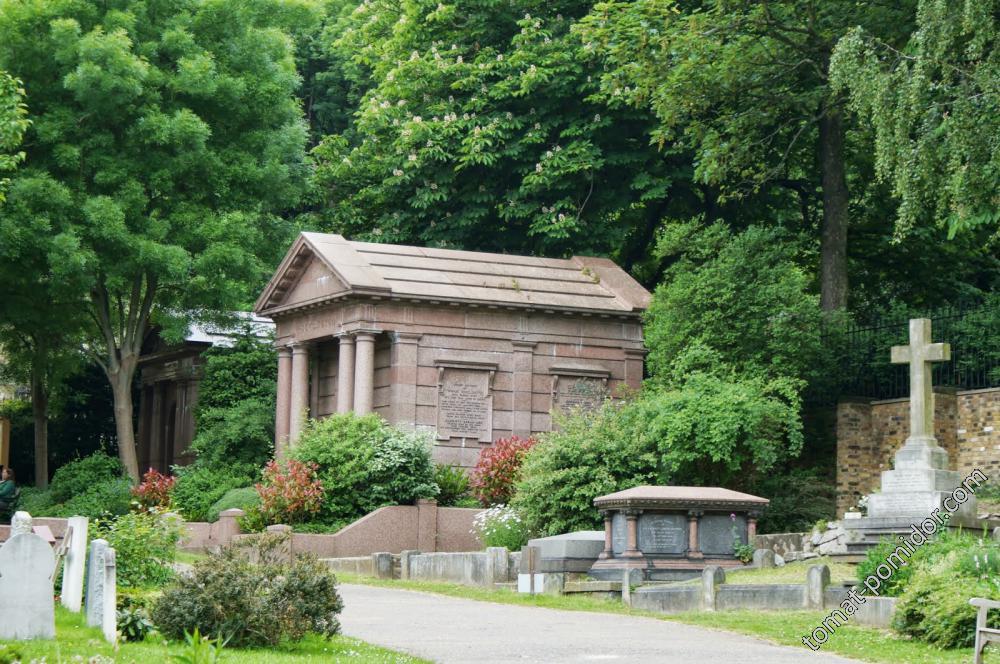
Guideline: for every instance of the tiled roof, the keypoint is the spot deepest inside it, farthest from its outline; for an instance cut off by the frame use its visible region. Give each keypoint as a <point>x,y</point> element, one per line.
<point>421,273</point>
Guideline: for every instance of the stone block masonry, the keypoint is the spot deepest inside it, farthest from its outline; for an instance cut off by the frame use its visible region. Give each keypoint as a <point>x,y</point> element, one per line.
<point>967,425</point>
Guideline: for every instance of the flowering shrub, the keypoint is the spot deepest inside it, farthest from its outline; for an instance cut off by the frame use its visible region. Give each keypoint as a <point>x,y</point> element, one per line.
<point>501,526</point>
<point>145,544</point>
<point>498,468</point>
<point>155,489</point>
<point>290,492</point>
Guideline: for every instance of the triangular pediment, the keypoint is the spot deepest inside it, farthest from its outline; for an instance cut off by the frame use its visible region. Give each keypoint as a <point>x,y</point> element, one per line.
<point>315,282</point>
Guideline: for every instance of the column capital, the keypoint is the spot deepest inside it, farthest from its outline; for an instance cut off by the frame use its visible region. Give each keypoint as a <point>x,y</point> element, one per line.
<point>344,337</point>
<point>284,350</point>
<point>405,337</point>
<point>299,347</point>
<point>365,335</point>
<point>695,514</point>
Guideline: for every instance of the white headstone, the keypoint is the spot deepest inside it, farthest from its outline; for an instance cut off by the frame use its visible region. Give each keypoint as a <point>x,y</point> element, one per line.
<point>109,597</point>
<point>95,583</point>
<point>73,567</point>
<point>27,610</point>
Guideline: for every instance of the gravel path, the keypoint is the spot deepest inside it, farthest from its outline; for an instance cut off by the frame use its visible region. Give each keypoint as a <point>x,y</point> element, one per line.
<point>451,630</point>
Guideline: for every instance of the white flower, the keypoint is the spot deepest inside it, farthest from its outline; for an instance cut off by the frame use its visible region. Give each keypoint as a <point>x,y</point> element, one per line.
<point>459,61</point>
<point>538,168</point>
<point>398,173</point>
<point>413,157</point>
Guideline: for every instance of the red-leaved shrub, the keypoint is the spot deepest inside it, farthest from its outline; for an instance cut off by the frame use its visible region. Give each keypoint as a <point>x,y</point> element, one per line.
<point>154,491</point>
<point>290,492</point>
<point>498,469</point>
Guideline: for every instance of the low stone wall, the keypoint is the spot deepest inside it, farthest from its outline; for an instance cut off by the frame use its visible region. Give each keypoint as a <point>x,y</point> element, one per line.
<point>876,612</point>
<point>471,568</point>
<point>781,543</point>
<point>57,526</point>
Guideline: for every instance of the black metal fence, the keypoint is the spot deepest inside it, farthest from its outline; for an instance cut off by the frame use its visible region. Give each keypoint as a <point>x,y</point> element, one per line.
<point>862,354</point>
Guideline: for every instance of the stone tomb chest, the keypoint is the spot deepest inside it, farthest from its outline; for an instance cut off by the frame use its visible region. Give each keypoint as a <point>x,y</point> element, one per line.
<point>673,532</point>
<point>467,346</point>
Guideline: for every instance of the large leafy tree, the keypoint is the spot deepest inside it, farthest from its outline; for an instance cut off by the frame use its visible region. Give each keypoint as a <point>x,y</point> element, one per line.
<point>934,107</point>
<point>745,86</point>
<point>173,129</point>
<point>13,123</point>
<point>481,130</point>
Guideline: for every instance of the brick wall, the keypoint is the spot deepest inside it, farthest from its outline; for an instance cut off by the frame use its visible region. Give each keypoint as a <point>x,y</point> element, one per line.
<point>966,424</point>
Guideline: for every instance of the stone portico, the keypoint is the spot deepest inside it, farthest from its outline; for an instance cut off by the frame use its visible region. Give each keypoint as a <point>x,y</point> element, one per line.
<point>468,346</point>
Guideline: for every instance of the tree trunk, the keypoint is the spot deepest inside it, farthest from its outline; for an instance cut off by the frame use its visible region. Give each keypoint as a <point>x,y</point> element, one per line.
<point>121,391</point>
<point>40,413</point>
<point>833,235</point>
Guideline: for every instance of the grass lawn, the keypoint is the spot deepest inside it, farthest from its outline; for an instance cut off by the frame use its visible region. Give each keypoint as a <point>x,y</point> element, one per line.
<point>74,639</point>
<point>866,644</point>
<point>791,573</point>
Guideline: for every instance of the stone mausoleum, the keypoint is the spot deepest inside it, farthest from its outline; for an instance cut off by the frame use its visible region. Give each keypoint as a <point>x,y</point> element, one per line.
<point>467,346</point>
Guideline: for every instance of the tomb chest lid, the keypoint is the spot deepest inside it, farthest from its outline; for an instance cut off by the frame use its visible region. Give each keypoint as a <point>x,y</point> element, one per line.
<point>680,497</point>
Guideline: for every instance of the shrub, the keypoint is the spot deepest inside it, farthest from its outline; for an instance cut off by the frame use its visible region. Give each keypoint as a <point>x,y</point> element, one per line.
<point>290,492</point>
<point>154,490</point>
<point>924,557</point>
<point>500,526</point>
<point>36,502</point>
<point>243,498</point>
<point>453,486</point>
<point>145,544</point>
<point>364,463</point>
<point>198,487</point>
<point>799,498</point>
<point>82,475</point>
<point>134,623</point>
<point>498,468</point>
<point>226,596</point>
<point>111,497</point>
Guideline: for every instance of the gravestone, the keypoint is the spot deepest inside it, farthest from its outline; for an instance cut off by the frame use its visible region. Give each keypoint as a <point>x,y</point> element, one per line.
<point>27,609</point>
<point>109,596</point>
<point>920,480</point>
<point>95,582</point>
<point>668,533</point>
<point>74,563</point>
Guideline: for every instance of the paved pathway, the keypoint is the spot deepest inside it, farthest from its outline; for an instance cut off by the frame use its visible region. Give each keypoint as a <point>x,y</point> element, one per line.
<point>451,630</point>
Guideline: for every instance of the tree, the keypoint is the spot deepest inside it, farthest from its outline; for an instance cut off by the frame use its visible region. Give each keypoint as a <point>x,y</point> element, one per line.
<point>482,130</point>
<point>13,123</point>
<point>745,86</point>
<point>934,107</point>
<point>174,128</point>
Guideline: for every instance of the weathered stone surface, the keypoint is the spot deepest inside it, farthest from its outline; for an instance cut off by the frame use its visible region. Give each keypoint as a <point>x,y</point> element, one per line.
<point>74,564</point>
<point>764,559</point>
<point>817,579</point>
<point>95,582</point>
<point>27,564</point>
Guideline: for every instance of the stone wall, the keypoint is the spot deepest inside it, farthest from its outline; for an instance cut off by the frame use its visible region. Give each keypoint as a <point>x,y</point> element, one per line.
<point>870,432</point>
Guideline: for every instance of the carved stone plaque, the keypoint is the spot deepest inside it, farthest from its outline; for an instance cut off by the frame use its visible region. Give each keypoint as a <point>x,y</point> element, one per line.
<point>465,404</point>
<point>579,393</point>
<point>619,533</point>
<point>663,533</point>
<point>715,533</point>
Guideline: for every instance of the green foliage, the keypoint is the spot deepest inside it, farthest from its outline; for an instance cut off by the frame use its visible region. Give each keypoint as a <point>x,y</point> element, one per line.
<point>199,487</point>
<point>799,498</point>
<point>947,545</point>
<point>80,476</point>
<point>243,498</point>
<point>134,623</point>
<point>252,604</point>
<point>36,502</point>
<point>365,463</point>
<point>501,526</point>
<point>10,654</point>
<point>743,297</point>
<point>13,124</point>
<point>453,486</point>
<point>145,544</point>
<point>200,650</point>
<point>105,498</point>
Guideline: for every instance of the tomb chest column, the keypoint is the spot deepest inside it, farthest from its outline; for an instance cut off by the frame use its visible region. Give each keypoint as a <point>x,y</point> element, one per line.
<point>632,534</point>
<point>694,550</point>
<point>752,527</point>
<point>284,395</point>
<point>345,374</point>
<point>608,537</point>
<point>299,408</point>
<point>364,373</point>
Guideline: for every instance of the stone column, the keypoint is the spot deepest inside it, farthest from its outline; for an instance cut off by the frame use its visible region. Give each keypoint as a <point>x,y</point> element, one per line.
<point>694,549</point>
<point>403,379</point>
<point>345,374</point>
<point>156,429</point>
<point>609,547</point>
<point>364,373</point>
<point>522,378</point>
<point>752,527</point>
<point>281,419</point>
<point>315,362</point>
<point>632,534</point>
<point>299,403</point>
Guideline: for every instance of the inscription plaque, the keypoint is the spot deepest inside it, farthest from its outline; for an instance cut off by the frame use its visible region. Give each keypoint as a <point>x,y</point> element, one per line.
<point>715,533</point>
<point>619,533</point>
<point>465,405</point>
<point>580,393</point>
<point>663,533</point>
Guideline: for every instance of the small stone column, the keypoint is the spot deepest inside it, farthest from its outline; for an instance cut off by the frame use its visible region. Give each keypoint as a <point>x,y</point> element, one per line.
<point>752,527</point>
<point>694,548</point>
<point>299,403</point>
<point>609,548</point>
<point>523,375</point>
<point>364,373</point>
<point>281,417</point>
<point>632,534</point>
<point>403,378</point>
<point>345,374</point>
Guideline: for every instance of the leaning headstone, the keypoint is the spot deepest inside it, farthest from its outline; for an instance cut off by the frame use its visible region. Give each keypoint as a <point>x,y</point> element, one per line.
<point>27,610</point>
<point>109,597</point>
<point>763,558</point>
<point>817,579</point>
<point>95,582</point>
<point>73,567</point>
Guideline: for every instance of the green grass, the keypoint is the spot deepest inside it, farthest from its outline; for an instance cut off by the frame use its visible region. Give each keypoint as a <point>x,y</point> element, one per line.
<point>189,557</point>
<point>74,639</point>
<point>790,573</point>
<point>866,644</point>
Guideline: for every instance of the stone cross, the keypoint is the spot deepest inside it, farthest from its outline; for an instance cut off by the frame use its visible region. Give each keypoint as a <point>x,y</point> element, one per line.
<point>919,354</point>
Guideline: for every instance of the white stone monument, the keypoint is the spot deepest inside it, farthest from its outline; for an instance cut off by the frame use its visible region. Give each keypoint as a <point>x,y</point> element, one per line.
<point>920,479</point>
<point>27,608</point>
<point>95,583</point>
<point>109,597</point>
<point>74,565</point>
